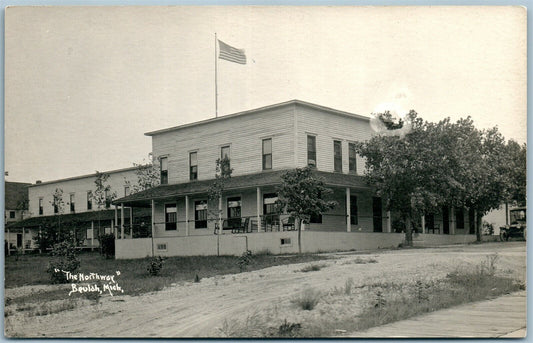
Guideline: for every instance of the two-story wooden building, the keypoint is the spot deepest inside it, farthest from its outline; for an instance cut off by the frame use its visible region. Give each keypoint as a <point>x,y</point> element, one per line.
<point>78,212</point>
<point>261,144</point>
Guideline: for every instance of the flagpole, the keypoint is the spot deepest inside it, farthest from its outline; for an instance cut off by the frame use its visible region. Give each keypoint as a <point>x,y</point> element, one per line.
<point>216,87</point>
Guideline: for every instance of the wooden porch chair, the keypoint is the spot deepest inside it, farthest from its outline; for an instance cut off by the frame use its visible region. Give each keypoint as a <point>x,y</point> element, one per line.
<point>241,227</point>
<point>288,224</point>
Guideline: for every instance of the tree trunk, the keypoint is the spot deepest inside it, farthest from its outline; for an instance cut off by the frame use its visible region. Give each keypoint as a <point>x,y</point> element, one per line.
<point>408,232</point>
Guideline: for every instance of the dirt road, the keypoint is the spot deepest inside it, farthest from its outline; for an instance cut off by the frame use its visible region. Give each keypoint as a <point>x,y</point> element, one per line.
<point>200,309</point>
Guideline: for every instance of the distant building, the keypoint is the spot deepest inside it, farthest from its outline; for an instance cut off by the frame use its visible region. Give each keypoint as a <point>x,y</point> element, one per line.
<point>16,209</point>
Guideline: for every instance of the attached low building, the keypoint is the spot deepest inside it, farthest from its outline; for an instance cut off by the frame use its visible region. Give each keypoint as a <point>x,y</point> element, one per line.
<point>79,213</point>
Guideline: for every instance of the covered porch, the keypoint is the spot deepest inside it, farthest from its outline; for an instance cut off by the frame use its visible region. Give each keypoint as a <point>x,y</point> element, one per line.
<point>248,206</point>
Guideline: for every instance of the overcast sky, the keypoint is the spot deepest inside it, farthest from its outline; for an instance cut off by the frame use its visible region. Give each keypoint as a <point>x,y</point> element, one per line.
<point>83,84</point>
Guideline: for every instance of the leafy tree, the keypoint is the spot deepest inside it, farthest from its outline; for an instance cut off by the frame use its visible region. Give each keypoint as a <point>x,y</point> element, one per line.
<point>102,197</point>
<point>303,195</point>
<point>517,172</point>
<point>222,175</point>
<point>148,176</point>
<point>59,206</point>
<point>435,165</point>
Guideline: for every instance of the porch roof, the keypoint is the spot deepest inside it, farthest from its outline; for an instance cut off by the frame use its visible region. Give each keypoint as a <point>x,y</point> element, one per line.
<point>271,178</point>
<point>69,218</point>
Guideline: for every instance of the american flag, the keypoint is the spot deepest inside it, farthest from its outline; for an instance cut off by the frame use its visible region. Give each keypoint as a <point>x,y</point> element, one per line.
<point>229,53</point>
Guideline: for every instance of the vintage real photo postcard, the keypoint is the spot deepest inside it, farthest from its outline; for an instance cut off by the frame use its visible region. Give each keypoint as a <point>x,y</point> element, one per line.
<point>265,171</point>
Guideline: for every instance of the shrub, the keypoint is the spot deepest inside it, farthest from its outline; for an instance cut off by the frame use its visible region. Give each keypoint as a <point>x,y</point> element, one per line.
<point>307,300</point>
<point>155,265</point>
<point>288,329</point>
<point>312,268</point>
<point>64,258</point>
<point>107,243</point>
<point>244,260</point>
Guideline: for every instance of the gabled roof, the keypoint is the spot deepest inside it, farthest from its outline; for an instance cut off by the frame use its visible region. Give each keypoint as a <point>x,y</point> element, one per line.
<point>261,109</point>
<point>16,193</point>
<point>249,181</point>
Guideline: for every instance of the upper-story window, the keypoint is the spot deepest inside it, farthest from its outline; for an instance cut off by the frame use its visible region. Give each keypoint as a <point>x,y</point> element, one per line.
<point>163,161</point>
<point>126,191</point>
<point>41,206</point>
<point>352,161</point>
<point>89,200</point>
<point>267,154</point>
<point>12,214</point>
<point>224,152</point>
<point>311,151</point>
<point>72,203</point>
<point>337,156</point>
<point>193,165</point>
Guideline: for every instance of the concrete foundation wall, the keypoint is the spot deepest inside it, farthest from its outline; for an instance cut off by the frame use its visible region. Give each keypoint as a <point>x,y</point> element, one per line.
<point>275,243</point>
<point>434,239</point>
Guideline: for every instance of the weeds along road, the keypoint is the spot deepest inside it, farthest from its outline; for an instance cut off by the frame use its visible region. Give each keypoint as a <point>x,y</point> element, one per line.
<point>199,309</point>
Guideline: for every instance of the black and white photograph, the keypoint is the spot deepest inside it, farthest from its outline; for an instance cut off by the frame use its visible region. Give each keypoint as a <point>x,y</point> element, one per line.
<point>265,171</point>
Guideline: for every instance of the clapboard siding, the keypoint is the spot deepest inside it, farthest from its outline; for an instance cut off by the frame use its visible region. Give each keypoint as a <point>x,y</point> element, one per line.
<point>78,186</point>
<point>329,127</point>
<point>243,133</point>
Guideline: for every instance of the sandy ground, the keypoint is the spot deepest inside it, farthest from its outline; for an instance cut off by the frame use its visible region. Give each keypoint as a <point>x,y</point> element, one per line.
<point>200,309</point>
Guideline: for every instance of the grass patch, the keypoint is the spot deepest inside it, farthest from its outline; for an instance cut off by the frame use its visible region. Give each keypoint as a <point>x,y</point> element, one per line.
<point>312,268</point>
<point>134,279</point>
<point>359,307</point>
<point>45,308</point>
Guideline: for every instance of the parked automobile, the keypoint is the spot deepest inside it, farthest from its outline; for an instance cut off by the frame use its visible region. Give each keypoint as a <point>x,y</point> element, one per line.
<point>518,226</point>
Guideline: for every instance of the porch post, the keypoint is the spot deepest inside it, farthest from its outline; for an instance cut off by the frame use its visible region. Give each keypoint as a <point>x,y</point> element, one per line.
<point>452,220</point>
<point>423,219</point>
<point>153,225</point>
<point>92,235</point>
<point>389,222</point>
<point>131,222</point>
<point>186,215</point>
<point>122,221</point>
<point>23,240</point>
<point>40,237</point>
<point>116,223</point>
<point>258,212</point>
<point>8,243</point>
<point>348,211</point>
<point>220,215</point>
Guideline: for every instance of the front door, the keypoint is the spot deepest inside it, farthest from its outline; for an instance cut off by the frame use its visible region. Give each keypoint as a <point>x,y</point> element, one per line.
<point>445,220</point>
<point>19,240</point>
<point>377,214</point>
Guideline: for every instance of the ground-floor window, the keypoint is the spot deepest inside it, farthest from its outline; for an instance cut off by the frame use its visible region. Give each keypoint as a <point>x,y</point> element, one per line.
<point>269,203</point>
<point>200,214</point>
<point>171,217</point>
<point>316,218</point>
